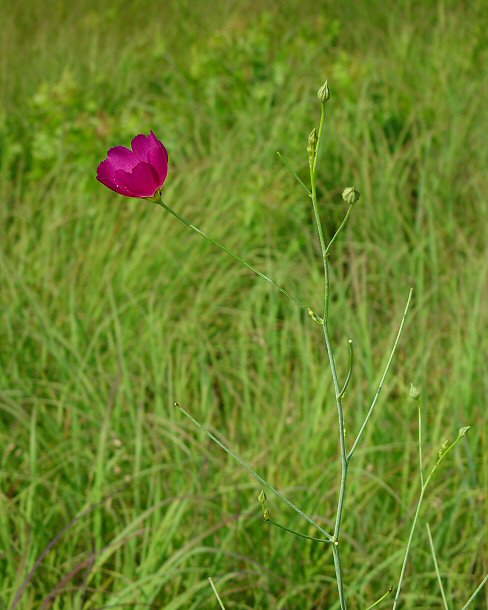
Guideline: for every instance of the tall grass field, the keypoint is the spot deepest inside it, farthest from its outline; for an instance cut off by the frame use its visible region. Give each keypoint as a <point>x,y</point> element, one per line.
<point>111,310</point>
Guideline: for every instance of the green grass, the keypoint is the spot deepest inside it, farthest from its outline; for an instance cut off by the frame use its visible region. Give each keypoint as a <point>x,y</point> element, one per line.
<point>111,311</point>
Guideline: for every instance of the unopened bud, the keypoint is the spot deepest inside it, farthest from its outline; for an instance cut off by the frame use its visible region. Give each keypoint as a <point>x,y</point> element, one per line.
<point>443,448</point>
<point>414,392</point>
<point>262,497</point>
<point>350,195</point>
<point>323,93</point>
<point>312,145</point>
<point>463,431</point>
<point>314,316</point>
<point>266,514</point>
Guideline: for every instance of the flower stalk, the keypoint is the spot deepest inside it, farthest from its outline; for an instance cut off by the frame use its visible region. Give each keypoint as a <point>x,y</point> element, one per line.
<point>159,201</point>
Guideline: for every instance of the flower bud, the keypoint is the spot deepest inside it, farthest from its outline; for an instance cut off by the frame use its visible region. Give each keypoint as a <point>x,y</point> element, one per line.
<point>262,497</point>
<point>266,514</point>
<point>314,316</point>
<point>443,448</point>
<point>414,392</point>
<point>323,93</point>
<point>312,145</point>
<point>350,195</point>
<point>463,431</point>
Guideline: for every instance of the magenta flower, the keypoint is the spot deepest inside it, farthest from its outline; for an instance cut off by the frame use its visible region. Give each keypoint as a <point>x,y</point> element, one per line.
<point>139,172</point>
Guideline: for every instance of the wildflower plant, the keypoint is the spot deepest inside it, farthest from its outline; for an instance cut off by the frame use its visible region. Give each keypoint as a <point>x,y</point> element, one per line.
<point>141,172</point>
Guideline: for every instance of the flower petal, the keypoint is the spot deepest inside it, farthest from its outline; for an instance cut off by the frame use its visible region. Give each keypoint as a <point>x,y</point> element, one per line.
<point>154,139</point>
<point>143,181</point>
<point>141,145</point>
<point>122,158</point>
<point>158,158</point>
<point>106,175</point>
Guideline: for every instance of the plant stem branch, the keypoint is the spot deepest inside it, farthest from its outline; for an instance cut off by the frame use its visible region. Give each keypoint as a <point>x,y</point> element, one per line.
<point>336,234</point>
<point>382,381</point>
<point>287,529</point>
<point>471,599</point>
<point>439,579</point>
<point>378,601</point>
<point>440,459</point>
<point>216,593</point>
<point>421,466</point>
<point>231,254</point>
<point>351,362</point>
<point>253,472</point>
<point>293,173</point>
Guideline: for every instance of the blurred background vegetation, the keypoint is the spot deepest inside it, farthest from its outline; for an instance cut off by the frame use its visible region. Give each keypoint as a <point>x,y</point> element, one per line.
<point>110,310</point>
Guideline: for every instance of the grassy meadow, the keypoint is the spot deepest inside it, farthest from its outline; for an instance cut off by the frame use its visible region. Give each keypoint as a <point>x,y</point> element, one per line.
<point>111,310</point>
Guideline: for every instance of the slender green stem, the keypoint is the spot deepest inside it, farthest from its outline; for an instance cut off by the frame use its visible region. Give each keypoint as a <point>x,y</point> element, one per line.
<point>382,381</point>
<point>442,456</point>
<point>344,464</point>
<point>378,601</point>
<point>253,472</point>
<point>421,467</point>
<point>338,569</point>
<point>293,173</point>
<point>318,221</point>
<point>313,166</point>
<point>471,599</point>
<point>287,529</point>
<point>216,593</point>
<point>342,439</point>
<point>349,373</point>
<point>439,579</point>
<point>337,390</point>
<point>409,542</point>
<point>326,292</point>
<point>319,137</point>
<point>231,254</point>
<point>336,234</point>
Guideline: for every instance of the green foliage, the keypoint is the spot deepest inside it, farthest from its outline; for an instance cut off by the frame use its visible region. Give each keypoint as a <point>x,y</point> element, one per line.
<point>111,311</point>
